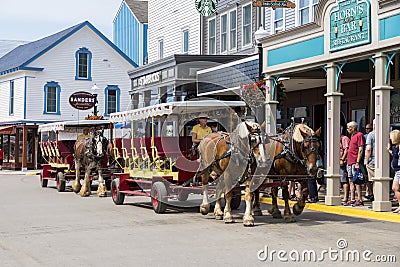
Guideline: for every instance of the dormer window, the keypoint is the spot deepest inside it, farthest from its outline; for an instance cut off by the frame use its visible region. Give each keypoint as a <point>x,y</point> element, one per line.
<point>83,58</point>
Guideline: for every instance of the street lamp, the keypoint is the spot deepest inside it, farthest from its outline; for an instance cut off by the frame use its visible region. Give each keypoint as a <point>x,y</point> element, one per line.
<point>94,89</point>
<point>258,35</point>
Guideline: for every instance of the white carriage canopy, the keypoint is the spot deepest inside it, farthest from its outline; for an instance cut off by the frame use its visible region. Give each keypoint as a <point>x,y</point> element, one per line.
<point>192,108</point>
<point>61,126</point>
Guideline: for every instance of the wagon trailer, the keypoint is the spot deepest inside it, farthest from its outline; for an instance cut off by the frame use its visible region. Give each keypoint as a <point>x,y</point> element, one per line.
<point>153,149</point>
<point>57,150</point>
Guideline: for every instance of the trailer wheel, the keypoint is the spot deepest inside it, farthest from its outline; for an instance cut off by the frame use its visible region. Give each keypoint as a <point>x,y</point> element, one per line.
<point>117,197</point>
<point>183,195</point>
<point>158,197</point>
<point>60,182</point>
<point>43,182</point>
<point>236,200</point>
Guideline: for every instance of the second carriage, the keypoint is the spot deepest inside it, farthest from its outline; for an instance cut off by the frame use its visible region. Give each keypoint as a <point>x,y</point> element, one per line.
<point>57,149</point>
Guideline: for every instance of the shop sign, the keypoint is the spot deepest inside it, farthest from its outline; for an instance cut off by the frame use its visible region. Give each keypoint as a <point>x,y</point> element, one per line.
<point>395,114</point>
<point>82,100</point>
<point>206,7</point>
<point>350,24</point>
<point>274,4</point>
<point>147,79</point>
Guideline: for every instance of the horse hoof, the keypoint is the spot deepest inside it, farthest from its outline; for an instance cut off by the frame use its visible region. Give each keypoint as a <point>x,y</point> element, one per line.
<point>76,188</point>
<point>102,194</point>
<point>205,209</point>
<point>85,193</point>
<point>297,210</point>
<point>257,213</point>
<point>289,219</point>
<point>248,223</point>
<point>276,215</point>
<point>218,217</point>
<point>229,220</point>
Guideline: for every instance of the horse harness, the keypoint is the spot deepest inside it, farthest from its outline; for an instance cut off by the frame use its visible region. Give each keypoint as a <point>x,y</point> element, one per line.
<point>232,148</point>
<point>290,152</point>
<point>90,149</point>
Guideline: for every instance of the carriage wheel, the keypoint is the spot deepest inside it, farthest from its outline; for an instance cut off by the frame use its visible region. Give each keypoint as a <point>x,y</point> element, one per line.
<point>60,182</point>
<point>236,199</point>
<point>43,182</point>
<point>183,195</point>
<point>158,195</point>
<point>117,197</point>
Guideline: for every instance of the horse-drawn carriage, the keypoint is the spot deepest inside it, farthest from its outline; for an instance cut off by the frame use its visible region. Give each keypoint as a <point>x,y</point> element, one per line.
<point>57,149</point>
<point>153,148</point>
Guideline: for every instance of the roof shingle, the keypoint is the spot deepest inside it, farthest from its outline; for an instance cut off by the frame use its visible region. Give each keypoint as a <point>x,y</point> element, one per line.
<point>139,8</point>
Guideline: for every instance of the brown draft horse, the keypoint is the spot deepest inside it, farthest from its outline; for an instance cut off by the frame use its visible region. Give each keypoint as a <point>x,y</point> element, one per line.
<point>90,153</point>
<point>295,152</point>
<point>235,156</point>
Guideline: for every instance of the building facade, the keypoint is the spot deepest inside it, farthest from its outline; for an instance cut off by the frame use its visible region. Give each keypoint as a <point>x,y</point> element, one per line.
<point>38,78</point>
<point>174,28</point>
<point>344,63</point>
<point>130,30</point>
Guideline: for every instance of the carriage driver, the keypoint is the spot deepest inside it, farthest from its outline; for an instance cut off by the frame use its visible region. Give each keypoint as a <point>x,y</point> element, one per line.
<point>200,130</point>
<point>84,135</point>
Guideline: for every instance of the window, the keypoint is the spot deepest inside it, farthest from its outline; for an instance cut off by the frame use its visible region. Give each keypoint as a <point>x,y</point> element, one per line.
<point>112,94</point>
<point>83,58</point>
<point>160,49</point>
<point>224,37</point>
<point>278,20</point>
<point>246,25</point>
<point>232,30</point>
<point>52,98</point>
<point>211,37</point>
<point>11,107</point>
<point>314,8</point>
<point>185,42</point>
<point>307,10</point>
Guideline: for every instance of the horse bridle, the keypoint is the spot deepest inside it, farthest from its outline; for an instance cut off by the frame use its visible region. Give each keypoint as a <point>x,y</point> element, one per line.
<point>95,142</point>
<point>290,152</point>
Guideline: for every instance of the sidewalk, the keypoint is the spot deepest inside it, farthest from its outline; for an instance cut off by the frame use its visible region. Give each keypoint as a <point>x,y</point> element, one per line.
<point>362,211</point>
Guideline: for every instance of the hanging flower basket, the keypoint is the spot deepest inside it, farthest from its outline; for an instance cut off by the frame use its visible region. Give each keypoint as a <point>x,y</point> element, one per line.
<point>94,117</point>
<point>254,93</point>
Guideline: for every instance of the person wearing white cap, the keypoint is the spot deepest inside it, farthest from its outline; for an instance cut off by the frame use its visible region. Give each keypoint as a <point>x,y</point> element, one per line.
<point>200,130</point>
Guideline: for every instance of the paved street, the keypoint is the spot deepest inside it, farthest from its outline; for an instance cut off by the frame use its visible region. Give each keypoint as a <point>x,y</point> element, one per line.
<point>41,227</point>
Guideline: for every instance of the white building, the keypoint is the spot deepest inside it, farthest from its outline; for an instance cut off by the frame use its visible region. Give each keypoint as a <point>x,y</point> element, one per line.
<point>37,79</point>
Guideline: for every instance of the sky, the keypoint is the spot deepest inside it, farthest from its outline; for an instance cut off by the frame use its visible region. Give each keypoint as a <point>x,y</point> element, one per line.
<point>30,20</point>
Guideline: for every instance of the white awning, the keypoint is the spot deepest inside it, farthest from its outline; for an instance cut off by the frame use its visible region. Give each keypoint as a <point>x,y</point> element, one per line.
<point>60,126</point>
<point>185,107</point>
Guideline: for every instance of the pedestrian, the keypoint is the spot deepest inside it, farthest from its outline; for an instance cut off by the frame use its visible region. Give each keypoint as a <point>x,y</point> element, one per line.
<point>355,162</point>
<point>344,178</point>
<point>1,158</point>
<point>393,149</point>
<point>370,161</point>
<point>312,182</point>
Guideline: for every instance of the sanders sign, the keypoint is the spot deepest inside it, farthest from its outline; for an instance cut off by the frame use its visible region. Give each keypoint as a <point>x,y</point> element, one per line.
<point>82,100</point>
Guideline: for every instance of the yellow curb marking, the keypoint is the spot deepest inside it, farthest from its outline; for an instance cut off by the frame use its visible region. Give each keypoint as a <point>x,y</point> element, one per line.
<point>347,211</point>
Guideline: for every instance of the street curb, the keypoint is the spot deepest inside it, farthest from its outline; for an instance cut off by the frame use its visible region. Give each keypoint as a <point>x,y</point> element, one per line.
<point>346,211</point>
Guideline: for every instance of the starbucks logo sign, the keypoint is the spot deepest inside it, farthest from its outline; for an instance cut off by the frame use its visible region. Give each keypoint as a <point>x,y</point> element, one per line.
<point>206,7</point>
